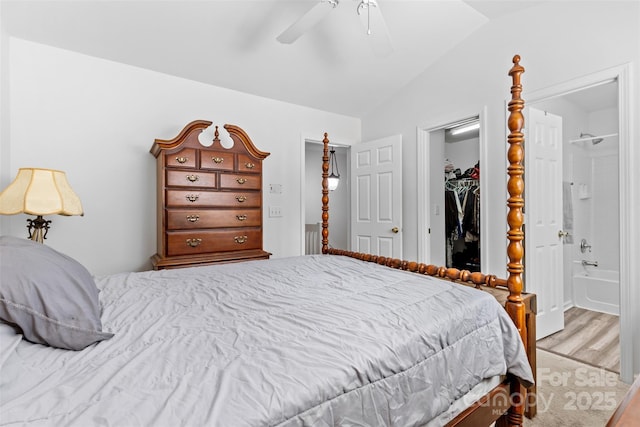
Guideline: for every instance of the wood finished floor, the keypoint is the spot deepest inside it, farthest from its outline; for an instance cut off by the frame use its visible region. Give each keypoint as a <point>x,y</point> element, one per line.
<point>589,337</point>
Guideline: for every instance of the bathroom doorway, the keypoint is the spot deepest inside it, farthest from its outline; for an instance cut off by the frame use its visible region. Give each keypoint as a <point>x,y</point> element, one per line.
<point>589,230</point>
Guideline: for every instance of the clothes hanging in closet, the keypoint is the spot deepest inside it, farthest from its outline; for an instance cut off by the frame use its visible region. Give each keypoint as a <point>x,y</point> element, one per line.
<point>462,223</point>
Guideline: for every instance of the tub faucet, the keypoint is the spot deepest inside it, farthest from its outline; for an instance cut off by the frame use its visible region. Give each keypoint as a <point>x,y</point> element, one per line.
<point>591,263</point>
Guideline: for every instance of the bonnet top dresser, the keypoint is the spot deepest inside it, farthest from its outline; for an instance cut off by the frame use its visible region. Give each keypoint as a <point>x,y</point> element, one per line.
<point>209,199</point>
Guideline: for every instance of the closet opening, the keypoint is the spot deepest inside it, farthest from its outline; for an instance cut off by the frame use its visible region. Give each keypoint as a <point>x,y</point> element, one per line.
<point>462,194</point>
<point>450,158</point>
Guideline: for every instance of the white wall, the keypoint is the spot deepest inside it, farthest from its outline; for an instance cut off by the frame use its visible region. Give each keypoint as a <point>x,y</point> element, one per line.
<point>97,119</point>
<point>555,47</point>
<point>5,177</point>
<point>463,154</point>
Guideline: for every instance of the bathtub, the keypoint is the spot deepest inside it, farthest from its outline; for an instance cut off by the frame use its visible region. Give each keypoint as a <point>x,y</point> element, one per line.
<point>596,289</point>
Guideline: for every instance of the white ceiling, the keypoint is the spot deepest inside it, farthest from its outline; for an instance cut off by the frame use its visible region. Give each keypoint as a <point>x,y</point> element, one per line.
<point>233,44</point>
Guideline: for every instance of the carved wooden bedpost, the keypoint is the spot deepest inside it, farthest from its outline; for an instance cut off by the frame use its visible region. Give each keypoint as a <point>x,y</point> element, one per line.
<point>325,195</point>
<point>515,250</point>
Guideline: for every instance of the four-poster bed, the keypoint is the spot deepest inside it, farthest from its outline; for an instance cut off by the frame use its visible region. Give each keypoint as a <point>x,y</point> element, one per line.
<point>313,340</point>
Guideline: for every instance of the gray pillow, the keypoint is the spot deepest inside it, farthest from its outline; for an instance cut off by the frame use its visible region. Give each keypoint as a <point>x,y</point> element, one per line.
<point>49,296</point>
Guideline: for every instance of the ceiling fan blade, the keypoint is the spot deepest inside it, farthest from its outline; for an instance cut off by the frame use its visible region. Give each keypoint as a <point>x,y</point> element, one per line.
<point>307,21</point>
<point>377,32</point>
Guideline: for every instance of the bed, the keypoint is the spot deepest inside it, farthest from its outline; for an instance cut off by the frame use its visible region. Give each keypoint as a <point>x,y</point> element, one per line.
<point>332,339</point>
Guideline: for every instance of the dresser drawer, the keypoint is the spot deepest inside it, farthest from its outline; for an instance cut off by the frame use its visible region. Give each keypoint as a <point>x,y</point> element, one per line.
<point>218,160</point>
<point>185,158</point>
<point>201,198</point>
<point>197,242</point>
<point>249,164</point>
<point>249,182</point>
<point>181,219</point>
<point>191,179</point>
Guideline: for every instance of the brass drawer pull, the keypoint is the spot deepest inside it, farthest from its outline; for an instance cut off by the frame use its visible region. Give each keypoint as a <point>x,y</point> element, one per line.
<point>241,217</point>
<point>193,242</point>
<point>240,239</point>
<point>249,165</point>
<point>241,180</point>
<point>217,160</point>
<point>241,198</point>
<point>192,178</point>
<point>193,218</point>
<point>192,197</point>
<point>182,159</point>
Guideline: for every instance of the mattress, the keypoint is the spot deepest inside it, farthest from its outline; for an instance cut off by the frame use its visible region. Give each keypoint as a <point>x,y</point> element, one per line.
<point>302,341</point>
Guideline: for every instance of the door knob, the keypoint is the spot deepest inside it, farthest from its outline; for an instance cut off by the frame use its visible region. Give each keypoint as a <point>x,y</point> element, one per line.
<point>562,234</point>
<point>395,229</point>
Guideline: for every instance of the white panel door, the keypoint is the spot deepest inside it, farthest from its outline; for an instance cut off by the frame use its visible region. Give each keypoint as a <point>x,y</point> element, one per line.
<point>376,202</point>
<point>543,243</point>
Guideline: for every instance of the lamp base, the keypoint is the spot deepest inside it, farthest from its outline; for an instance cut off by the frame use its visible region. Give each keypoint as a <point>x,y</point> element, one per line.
<point>38,228</point>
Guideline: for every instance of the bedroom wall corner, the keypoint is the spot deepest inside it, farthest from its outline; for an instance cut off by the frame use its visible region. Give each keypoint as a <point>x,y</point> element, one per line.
<point>96,119</point>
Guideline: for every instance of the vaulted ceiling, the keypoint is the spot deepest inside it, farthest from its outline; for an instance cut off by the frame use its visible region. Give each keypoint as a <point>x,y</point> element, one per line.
<point>233,44</point>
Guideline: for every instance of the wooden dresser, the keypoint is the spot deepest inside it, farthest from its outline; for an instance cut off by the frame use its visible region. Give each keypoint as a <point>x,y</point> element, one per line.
<point>209,199</point>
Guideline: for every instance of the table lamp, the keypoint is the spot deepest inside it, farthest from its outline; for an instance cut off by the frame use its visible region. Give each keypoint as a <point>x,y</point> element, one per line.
<point>39,192</point>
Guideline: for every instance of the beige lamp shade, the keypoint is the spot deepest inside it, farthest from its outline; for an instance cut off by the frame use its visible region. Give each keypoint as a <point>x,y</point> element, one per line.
<point>40,192</point>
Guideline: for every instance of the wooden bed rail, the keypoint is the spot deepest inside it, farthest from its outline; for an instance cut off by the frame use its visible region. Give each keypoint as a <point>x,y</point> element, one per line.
<point>476,278</point>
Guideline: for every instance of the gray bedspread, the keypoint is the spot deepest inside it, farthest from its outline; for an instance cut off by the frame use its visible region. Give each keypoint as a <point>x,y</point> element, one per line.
<point>304,341</point>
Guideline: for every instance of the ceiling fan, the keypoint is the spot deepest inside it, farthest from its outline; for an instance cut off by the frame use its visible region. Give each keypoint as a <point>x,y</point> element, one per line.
<point>370,16</point>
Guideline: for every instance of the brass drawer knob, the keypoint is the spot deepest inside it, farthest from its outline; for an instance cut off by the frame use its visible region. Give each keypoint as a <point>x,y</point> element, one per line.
<point>192,178</point>
<point>217,160</point>
<point>241,198</point>
<point>192,197</point>
<point>241,217</point>
<point>193,218</point>
<point>241,180</point>
<point>193,242</point>
<point>182,159</point>
<point>240,239</point>
<point>249,165</point>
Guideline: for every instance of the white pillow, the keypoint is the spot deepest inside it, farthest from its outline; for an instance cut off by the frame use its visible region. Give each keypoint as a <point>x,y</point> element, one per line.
<point>9,340</point>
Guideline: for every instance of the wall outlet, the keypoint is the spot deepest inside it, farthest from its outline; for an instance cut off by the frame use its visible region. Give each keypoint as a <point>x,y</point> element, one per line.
<point>275,211</point>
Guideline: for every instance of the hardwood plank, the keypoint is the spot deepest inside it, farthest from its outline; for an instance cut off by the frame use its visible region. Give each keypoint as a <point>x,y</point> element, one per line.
<point>590,337</point>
